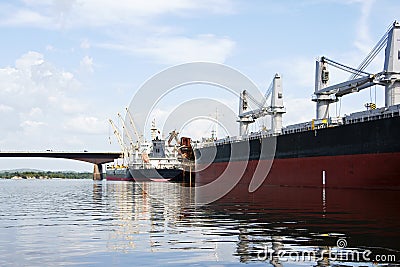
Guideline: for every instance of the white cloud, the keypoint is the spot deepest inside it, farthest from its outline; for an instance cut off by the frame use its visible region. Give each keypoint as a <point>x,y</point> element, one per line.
<point>85,44</point>
<point>32,128</point>
<point>23,17</point>
<point>363,39</point>
<point>183,49</point>
<point>297,74</point>
<point>86,125</point>
<point>50,48</point>
<point>36,112</point>
<point>26,61</point>
<point>40,99</point>
<point>5,108</point>
<point>167,44</point>
<point>32,124</point>
<point>67,105</point>
<point>107,14</point>
<point>179,49</point>
<point>298,110</point>
<point>87,64</point>
<point>99,13</point>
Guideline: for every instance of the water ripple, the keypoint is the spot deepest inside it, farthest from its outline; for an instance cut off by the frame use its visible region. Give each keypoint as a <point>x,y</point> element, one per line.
<point>86,223</point>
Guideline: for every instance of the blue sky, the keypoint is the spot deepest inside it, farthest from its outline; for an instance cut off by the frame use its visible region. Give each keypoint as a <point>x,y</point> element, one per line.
<point>67,66</point>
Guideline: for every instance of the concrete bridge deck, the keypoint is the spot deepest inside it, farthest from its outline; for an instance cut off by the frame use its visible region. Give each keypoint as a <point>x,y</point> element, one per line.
<point>97,158</point>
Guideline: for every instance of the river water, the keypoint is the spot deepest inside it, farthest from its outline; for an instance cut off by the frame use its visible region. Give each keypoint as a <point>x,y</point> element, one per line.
<point>89,223</point>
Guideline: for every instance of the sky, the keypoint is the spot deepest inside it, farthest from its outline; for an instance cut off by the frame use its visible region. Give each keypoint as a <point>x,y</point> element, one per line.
<point>67,66</point>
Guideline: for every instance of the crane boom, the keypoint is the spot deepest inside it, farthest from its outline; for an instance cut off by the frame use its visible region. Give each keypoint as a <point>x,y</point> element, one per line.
<point>173,135</point>
<point>351,86</point>
<point>126,131</point>
<point>134,126</point>
<point>119,138</point>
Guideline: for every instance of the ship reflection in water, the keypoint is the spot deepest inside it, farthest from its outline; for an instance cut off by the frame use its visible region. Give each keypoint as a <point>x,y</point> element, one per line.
<point>86,223</point>
<point>283,226</point>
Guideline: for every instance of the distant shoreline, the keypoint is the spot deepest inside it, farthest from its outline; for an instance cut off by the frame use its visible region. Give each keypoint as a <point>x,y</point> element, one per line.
<point>19,175</point>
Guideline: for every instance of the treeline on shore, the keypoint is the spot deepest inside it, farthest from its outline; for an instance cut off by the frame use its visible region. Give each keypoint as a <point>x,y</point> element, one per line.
<point>46,175</point>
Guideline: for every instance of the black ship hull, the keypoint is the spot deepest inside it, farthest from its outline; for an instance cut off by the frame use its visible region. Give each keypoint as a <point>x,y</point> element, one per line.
<point>156,175</point>
<point>358,155</point>
<point>144,175</point>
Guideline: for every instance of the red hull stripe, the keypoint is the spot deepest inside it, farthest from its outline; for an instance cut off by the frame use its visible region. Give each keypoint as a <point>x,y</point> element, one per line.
<point>373,171</point>
<point>113,178</point>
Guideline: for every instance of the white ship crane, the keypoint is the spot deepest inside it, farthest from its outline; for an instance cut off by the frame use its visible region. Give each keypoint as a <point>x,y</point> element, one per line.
<point>133,145</point>
<point>119,139</point>
<point>138,136</point>
<point>389,77</point>
<point>275,110</point>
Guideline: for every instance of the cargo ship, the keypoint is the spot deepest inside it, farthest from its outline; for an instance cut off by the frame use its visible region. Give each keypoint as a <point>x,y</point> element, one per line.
<point>145,161</point>
<point>360,150</point>
<point>156,161</point>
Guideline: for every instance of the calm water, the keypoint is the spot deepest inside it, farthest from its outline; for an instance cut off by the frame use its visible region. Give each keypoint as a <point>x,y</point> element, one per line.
<point>86,223</point>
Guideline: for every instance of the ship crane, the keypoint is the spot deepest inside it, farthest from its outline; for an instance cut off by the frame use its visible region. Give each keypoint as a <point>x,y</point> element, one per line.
<point>173,136</point>
<point>119,139</point>
<point>276,109</point>
<point>139,137</point>
<point>140,145</point>
<point>132,143</point>
<point>389,77</point>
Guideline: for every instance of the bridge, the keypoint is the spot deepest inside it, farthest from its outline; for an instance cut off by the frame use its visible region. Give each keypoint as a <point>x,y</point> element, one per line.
<point>97,158</point>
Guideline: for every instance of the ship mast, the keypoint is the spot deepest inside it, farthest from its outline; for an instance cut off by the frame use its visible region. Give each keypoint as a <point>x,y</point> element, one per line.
<point>153,130</point>
<point>275,109</point>
<point>392,66</point>
<point>321,82</point>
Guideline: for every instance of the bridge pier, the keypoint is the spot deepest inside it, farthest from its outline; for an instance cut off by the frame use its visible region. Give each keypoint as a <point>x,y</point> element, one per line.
<point>97,172</point>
